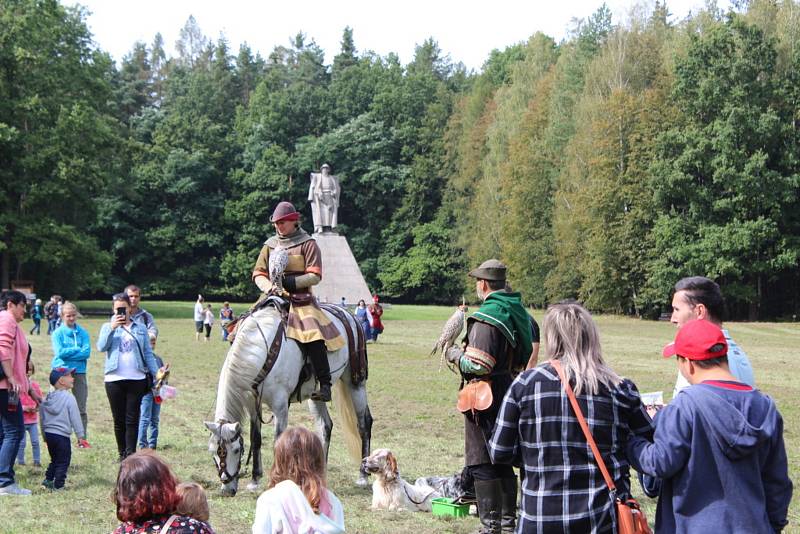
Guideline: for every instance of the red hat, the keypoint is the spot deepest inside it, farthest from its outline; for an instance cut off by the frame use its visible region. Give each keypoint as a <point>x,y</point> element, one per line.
<point>698,340</point>
<point>284,211</point>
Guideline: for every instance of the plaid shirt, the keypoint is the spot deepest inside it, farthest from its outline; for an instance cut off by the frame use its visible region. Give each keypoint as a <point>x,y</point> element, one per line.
<point>563,489</point>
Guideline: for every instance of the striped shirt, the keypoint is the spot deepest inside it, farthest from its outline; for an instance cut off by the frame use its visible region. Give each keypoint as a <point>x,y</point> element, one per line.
<point>563,489</point>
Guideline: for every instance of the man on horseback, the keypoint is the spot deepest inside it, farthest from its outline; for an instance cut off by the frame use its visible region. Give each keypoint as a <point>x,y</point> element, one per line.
<point>306,323</point>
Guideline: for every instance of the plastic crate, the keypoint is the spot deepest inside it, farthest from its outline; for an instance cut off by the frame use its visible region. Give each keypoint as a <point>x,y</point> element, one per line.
<point>443,506</point>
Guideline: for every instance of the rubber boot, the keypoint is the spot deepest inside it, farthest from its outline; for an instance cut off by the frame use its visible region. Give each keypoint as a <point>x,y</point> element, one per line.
<point>318,355</point>
<point>490,504</point>
<point>508,519</point>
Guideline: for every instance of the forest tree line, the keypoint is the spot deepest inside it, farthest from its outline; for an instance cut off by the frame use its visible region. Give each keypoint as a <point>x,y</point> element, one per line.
<point>603,167</point>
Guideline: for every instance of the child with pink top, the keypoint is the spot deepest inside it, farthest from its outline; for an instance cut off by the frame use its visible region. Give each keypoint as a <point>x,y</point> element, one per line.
<point>30,417</point>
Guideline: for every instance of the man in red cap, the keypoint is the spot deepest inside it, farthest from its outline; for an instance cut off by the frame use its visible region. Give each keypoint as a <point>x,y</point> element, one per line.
<point>718,446</point>
<point>306,324</point>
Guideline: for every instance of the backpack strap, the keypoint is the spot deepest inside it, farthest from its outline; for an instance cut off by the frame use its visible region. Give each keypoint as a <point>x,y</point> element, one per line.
<point>169,522</point>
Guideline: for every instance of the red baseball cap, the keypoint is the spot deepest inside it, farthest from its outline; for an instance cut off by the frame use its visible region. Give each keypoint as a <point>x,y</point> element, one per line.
<point>698,340</point>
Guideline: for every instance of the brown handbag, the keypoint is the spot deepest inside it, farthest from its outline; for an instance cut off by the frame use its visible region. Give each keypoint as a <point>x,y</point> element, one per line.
<point>476,396</point>
<point>630,517</point>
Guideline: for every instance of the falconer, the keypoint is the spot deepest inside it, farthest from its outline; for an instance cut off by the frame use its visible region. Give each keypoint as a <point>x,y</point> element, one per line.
<point>306,324</point>
<point>498,341</point>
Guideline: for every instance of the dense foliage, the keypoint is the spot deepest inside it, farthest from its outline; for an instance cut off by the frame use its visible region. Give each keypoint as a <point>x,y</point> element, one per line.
<point>602,168</point>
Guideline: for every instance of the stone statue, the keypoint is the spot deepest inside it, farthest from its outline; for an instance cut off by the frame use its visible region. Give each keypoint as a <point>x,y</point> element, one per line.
<point>323,193</point>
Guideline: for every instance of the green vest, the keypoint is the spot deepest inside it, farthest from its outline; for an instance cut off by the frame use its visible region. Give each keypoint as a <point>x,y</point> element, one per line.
<point>505,312</point>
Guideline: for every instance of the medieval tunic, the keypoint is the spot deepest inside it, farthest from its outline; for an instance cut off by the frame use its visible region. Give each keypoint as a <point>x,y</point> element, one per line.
<point>306,321</point>
<point>498,341</point>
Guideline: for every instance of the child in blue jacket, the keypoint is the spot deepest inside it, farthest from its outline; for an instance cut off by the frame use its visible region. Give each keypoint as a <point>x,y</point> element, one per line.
<point>718,446</point>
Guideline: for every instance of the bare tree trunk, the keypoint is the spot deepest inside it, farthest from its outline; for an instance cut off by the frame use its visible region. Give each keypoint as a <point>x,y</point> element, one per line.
<point>5,268</point>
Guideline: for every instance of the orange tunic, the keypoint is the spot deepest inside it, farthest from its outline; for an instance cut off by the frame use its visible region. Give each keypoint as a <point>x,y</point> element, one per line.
<point>306,321</point>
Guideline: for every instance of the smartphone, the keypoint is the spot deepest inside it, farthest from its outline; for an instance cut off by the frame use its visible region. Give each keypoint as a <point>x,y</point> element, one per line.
<point>122,311</point>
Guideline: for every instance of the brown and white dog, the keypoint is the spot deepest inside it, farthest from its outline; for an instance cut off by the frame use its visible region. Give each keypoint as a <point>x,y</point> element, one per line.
<point>390,491</point>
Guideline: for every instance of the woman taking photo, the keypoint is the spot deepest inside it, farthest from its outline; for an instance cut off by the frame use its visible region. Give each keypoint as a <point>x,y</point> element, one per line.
<point>563,486</point>
<point>128,359</point>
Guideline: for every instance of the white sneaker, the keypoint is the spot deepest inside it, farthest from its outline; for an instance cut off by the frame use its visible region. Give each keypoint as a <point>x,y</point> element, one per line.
<point>13,489</point>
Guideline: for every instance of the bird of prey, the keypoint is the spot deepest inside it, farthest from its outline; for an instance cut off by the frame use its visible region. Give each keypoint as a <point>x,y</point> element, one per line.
<point>452,329</point>
<point>278,259</point>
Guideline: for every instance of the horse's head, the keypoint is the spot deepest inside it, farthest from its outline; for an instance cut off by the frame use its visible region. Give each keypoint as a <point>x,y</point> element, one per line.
<point>227,447</point>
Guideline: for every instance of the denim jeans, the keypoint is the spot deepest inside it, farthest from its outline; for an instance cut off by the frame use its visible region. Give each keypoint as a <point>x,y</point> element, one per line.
<point>31,429</point>
<point>51,325</point>
<point>37,326</point>
<point>11,430</point>
<point>60,450</point>
<point>149,415</point>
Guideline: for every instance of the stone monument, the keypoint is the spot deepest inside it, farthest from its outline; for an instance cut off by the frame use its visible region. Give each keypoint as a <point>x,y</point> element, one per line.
<point>341,276</point>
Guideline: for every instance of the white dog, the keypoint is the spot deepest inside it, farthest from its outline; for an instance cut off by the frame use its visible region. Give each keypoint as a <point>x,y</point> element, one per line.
<point>390,491</point>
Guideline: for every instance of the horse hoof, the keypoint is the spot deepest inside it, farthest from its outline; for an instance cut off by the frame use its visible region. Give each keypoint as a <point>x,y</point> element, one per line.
<point>362,482</point>
<point>252,486</point>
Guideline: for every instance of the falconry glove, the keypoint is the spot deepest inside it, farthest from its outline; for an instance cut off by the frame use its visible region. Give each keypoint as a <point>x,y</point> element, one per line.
<point>454,354</point>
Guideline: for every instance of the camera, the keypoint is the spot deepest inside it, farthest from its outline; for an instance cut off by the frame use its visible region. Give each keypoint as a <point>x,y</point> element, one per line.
<point>122,311</point>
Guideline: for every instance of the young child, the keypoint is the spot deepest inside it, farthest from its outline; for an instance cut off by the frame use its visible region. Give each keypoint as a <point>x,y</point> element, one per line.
<point>60,418</point>
<point>298,499</point>
<point>30,416</point>
<point>193,501</point>
<point>718,446</point>
<point>150,411</point>
<point>208,321</point>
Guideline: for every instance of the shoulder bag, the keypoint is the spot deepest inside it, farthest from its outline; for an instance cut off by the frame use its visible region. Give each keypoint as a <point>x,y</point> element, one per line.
<point>147,374</point>
<point>630,517</point>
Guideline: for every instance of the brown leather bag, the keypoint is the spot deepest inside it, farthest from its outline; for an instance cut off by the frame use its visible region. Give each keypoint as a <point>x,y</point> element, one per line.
<point>630,517</point>
<point>476,396</point>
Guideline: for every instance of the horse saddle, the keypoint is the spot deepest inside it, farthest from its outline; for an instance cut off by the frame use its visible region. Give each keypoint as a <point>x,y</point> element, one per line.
<point>475,396</point>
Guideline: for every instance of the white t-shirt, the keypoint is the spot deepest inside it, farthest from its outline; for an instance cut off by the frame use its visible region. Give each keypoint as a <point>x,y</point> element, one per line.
<point>209,317</point>
<point>128,365</point>
<point>199,313</point>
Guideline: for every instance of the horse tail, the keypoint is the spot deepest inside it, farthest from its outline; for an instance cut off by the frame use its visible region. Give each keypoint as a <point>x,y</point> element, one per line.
<point>343,401</point>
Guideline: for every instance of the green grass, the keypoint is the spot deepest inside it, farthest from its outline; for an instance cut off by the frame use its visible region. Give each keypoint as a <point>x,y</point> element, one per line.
<point>412,402</point>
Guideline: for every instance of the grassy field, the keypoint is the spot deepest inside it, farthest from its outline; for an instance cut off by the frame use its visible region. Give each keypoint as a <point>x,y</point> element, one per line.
<point>413,405</point>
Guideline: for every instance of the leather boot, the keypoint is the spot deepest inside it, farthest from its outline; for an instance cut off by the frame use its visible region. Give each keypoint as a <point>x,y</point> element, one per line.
<point>508,519</point>
<point>490,504</point>
<point>318,355</point>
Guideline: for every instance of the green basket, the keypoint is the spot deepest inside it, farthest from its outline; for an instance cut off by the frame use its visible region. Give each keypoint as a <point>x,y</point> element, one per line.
<point>443,506</point>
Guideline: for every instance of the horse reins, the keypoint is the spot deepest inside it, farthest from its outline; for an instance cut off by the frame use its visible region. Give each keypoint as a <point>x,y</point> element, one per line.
<point>222,454</point>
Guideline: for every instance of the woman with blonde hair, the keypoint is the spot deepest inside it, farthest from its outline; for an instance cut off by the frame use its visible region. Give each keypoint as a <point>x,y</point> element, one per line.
<point>298,501</point>
<point>537,427</point>
<point>72,349</point>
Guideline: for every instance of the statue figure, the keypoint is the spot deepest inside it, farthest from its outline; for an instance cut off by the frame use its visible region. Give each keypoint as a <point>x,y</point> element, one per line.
<point>323,193</point>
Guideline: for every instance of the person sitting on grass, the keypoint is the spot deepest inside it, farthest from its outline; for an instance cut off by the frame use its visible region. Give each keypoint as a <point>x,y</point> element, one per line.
<point>60,418</point>
<point>298,501</point>
<point>193,501</point>
<point>147,499</point>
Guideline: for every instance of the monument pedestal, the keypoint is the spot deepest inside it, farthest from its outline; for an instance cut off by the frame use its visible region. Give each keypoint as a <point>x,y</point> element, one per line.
<point>341,276</point>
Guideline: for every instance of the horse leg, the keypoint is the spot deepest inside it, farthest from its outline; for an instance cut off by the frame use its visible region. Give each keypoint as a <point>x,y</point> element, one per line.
<point>255,449</point>
<point>323,422</point>
<point>359,395</point>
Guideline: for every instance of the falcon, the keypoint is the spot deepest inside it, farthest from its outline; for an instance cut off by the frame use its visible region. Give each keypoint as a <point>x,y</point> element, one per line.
<point>278,260</point>
<point>452,329</point>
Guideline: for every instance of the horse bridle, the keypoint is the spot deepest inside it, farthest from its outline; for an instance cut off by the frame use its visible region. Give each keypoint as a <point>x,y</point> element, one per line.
<point>222,454</point>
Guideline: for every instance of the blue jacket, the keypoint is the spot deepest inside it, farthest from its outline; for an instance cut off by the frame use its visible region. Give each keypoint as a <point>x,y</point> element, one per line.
<point>71,347</point>
<point>722,458</point>
<point>109,341</point>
